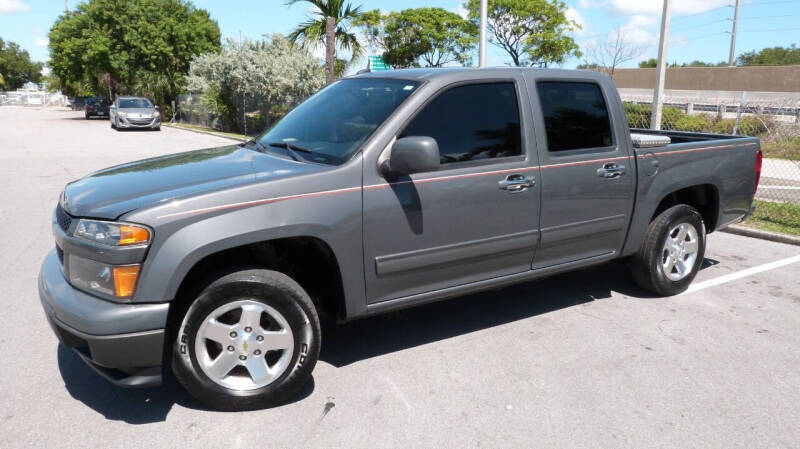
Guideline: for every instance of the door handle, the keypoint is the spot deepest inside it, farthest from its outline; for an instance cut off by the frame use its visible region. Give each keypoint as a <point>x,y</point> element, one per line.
<point>611,170</point>
<point>516,183</point>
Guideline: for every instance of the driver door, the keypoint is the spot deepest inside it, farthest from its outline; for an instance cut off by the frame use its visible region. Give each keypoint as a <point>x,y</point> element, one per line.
<point>459,224</point>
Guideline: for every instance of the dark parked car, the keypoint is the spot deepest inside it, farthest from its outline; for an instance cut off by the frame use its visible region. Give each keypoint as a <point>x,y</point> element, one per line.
<point>95,107</point>
<point>382,191</point>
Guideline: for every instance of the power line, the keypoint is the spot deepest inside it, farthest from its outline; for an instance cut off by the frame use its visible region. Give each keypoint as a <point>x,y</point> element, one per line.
<point>770,2</point>
<point>700,13</point>
<point>701,25</point>
<point>689,39</point>
<point>769,30</point>
<point>771,17</point>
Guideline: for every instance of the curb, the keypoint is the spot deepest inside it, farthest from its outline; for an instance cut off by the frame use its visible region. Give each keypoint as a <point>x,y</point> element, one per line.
<point>764,235</point>
<point>200,131</point>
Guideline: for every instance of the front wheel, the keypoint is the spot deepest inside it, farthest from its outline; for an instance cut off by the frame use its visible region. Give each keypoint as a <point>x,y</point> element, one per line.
<point>672,252</point>
<point>250,340</point>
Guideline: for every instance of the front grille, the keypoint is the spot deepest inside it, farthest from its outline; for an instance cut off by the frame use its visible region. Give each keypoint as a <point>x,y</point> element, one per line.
<point>63,218</point>
<point>140,121</point>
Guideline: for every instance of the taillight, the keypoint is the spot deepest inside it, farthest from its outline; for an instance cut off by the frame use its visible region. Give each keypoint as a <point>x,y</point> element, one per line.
<point>759,157</point>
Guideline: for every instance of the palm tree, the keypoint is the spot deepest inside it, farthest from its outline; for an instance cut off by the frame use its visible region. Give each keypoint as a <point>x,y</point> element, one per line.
<point>330,24</point>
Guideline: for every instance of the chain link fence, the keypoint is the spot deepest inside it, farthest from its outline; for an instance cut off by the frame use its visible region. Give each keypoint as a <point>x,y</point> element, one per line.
<point>775,122</point>
<point>249,116</point>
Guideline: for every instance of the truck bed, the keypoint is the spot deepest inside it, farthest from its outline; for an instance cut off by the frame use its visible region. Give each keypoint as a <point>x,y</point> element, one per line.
<point>684,136</point>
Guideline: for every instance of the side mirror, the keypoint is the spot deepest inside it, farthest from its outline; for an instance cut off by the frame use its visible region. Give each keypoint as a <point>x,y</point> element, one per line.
<point>413,154</point>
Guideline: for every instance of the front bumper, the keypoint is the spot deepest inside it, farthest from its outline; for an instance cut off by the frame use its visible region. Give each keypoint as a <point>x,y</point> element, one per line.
<point>124,343</point>
<point>127,122</point>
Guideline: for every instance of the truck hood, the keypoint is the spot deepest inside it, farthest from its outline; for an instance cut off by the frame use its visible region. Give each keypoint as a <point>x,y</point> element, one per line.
<point>112,192</point>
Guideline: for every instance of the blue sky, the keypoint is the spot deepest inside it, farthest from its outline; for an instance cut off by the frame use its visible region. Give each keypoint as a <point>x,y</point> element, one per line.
<point>700,28</point>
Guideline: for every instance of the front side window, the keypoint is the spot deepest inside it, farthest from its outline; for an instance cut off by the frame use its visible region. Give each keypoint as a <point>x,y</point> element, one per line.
<point>575,115</point>
<point>472,122</point>
<point>331,125</point>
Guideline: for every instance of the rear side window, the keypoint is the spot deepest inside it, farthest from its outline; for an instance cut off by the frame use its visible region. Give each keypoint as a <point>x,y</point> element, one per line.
<point>472,122</point>
<point>575,115</point>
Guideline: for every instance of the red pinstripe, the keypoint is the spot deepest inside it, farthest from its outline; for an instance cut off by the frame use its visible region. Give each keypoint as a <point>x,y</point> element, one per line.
<point>437,179</point>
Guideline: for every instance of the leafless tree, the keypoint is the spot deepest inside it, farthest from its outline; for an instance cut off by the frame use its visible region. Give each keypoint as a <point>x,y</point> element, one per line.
<point>608,54</point>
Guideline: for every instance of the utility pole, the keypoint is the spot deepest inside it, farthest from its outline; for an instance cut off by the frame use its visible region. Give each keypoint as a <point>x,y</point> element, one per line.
<point>66,9</point>
<point>733,32</point>
<point>658,93</point>
<point>484,20</point>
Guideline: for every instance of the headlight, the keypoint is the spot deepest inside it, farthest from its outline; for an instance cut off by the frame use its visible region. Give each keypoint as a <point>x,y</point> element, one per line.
<point>108,280</point>
<point>156,114</point>
<point>122,114</point>
<point>114,234</point>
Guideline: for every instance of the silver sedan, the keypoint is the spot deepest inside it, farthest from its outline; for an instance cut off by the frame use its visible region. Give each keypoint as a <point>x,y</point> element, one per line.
<point>134,112</point>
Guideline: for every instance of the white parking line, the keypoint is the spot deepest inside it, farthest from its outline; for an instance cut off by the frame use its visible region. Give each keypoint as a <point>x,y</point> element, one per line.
<point>780,187</point>
<point>741,274</point>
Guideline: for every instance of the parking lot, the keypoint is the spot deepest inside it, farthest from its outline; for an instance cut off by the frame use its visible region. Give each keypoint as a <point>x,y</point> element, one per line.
<point>584,359</point>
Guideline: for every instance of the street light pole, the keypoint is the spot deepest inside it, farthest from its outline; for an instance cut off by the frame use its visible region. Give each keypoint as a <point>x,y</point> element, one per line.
<point>731,56</point>
<point>658,92</point>
<point>484,20</point>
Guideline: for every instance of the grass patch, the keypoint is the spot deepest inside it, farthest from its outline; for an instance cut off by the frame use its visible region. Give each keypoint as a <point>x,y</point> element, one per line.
<point>785,148</point>
<point>208,130</point>
<point>775,217</point>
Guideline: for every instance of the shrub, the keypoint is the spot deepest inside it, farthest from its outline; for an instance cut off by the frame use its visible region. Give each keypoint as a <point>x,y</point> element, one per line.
<point>699,123</point>
<point>748,126</point>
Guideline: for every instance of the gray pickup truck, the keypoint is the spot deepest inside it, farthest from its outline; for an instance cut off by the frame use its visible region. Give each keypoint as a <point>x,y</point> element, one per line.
<point>382,191</point>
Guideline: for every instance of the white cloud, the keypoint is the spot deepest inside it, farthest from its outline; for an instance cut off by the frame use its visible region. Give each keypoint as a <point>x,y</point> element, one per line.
<point>461,11</point>
<point>41,41</point>
<point>588,3</point>
<point>575,16</point>
<point>654,7</point>
<point>12,6</point>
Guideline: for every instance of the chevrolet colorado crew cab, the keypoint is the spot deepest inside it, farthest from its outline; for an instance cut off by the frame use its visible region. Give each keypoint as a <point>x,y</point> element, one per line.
<point>382,191</point>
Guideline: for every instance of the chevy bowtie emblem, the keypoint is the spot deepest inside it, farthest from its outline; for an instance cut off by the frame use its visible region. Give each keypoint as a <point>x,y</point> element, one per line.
<point>244,345</point>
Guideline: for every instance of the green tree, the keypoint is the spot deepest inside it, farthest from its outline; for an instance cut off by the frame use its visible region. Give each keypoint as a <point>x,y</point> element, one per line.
<point>430,37</point>
<point>649,64</point>
<point>331,26</point>
<point>270,76</point>
<point>771,56</point>
<point>532,32</point>
<point>133,47</point>
<point>16,67</point>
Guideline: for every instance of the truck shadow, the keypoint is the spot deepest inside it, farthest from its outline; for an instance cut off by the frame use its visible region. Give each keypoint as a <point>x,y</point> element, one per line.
<point>133,406</point>
<point>370,337</point>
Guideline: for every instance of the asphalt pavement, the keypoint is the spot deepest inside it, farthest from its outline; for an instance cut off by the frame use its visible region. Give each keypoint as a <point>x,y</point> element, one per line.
<point>584,359</point>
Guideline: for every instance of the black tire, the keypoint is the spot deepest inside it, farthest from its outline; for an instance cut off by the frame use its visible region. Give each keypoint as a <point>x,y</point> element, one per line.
<point>268,287</point>
<point>647,268</point>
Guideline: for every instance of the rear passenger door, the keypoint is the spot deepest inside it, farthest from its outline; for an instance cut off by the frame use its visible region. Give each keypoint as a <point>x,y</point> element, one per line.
<point>587,173</point>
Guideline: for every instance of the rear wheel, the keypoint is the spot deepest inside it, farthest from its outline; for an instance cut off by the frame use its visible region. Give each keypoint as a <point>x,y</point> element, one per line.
<point>672,252</point>
<point>250,340</point>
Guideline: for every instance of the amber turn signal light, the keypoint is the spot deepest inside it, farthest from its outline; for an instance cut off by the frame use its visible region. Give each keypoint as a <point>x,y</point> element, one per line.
<point>129,235</point>
<point>125,280</point>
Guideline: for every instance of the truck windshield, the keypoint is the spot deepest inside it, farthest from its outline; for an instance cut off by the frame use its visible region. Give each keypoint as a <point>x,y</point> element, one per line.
<point>333,123</point>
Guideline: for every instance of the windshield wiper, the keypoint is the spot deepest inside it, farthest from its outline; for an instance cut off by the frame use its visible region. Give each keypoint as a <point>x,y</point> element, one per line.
<point>292,149</point>
<point>261,147</point>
